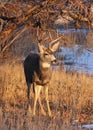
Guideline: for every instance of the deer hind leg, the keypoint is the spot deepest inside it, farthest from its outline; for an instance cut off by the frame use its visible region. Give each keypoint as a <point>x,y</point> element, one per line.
<point>47,101</point>
<point>28,96</point>
<point>37,89</point>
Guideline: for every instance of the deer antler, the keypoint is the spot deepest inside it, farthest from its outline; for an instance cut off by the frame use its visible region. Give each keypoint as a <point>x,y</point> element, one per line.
<point>50,36</point>
<point>40,35</point>
<point>53,41</point>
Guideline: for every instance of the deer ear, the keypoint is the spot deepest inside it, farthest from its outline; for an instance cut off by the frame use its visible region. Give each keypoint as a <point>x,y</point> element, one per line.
<point>54,47</point>
<point>41,48</point>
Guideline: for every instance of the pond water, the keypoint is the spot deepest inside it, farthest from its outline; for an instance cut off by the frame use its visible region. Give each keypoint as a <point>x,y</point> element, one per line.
<point>84,31</point>
<point>88,126</point>
<point>77,57</point>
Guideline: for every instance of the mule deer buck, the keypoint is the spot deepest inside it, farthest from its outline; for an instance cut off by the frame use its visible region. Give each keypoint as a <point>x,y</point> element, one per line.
<point>37,68</point>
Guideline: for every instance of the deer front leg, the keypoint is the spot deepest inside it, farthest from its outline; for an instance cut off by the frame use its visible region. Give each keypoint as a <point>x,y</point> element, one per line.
<point>37,89</point>
<point>41,106</point>
<point>47,101</point>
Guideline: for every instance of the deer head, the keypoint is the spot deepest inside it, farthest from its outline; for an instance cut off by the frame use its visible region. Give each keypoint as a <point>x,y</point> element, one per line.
<point>46,54</point>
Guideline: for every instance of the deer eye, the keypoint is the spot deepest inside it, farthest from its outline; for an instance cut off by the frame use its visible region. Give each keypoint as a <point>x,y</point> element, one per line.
<point>46,54</point>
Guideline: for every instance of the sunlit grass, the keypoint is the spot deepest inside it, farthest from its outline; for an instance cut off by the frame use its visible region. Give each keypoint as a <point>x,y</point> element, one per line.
<point>70,96</point>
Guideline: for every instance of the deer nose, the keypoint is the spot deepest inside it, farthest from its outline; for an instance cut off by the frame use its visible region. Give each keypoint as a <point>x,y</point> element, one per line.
<point>53,58</point>
<point>54,61</point>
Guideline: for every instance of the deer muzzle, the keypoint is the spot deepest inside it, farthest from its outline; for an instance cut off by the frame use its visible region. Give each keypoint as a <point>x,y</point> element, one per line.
<point>53,60</point>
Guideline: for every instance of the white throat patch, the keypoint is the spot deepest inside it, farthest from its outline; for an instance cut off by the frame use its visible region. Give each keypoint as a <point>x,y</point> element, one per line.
<point>45,65</point>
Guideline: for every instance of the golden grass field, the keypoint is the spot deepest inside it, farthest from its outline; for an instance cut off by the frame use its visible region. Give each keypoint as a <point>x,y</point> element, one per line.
<point>70,96</point>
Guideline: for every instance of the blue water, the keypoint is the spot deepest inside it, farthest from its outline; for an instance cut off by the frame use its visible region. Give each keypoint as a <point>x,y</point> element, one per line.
<point>76,58</point>
<point>66,31</point>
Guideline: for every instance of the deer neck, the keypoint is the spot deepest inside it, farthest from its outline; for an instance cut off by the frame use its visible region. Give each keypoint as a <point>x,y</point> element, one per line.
<point>45,72</point>
<point>45,65</point>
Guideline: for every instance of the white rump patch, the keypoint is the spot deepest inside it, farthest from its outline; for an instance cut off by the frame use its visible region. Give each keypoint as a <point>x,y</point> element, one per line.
<point>45,65</point>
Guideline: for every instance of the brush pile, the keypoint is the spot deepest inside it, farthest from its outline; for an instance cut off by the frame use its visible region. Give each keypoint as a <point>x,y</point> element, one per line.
<point>16,16</point>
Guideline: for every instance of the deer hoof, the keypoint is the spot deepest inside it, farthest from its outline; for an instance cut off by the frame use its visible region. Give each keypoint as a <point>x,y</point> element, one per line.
<point>44,113</point>
<point>50,114</point>
<point>29,110</point>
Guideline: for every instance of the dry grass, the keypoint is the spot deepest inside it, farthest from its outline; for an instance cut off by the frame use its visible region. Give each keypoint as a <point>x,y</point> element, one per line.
<point>70,95</point>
